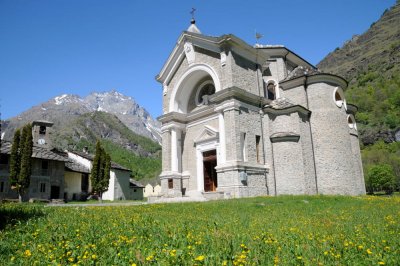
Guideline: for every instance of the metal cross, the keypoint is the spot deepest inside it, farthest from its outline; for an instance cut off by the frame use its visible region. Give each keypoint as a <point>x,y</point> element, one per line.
<point>192,12</point>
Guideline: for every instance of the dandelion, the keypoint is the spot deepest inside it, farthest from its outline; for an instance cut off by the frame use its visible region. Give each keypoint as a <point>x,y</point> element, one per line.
<point>199,258</point>
<point>369,251</point>
<point>94,256</point>
<point>27,253</point>
<point>381,263</point>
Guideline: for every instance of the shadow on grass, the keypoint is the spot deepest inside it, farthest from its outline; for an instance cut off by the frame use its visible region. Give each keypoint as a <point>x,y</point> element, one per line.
<point>13,213</point>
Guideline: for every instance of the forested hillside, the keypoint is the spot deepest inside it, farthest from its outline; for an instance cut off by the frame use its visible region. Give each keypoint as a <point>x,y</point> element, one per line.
<point>138,153</point>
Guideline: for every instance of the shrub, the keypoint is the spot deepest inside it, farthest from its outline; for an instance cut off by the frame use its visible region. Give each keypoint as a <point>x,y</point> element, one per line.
<point>381,177</point>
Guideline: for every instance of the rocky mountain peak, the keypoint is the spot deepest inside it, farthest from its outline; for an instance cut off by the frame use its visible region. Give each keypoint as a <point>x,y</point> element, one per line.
<point>66,107</point>
<point>67,99</point>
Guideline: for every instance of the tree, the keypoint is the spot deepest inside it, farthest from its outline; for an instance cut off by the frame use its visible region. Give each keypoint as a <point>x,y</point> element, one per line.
<point>20,161</point>
<point>100,175</point>
<point>381,177</point>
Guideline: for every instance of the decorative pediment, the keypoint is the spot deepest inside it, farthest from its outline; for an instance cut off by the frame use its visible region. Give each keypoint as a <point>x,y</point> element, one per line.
<point>208,134</point>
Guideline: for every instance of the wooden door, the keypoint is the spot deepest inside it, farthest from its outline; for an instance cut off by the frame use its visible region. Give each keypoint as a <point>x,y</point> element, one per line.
<point>210,174</point>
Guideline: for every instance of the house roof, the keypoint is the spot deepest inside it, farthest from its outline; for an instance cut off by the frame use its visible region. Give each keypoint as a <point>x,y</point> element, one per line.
<point>135,183</point>
<point>76,167</point>
<point>302,71</point>
<point>91,157</point>
<point>37,152</point>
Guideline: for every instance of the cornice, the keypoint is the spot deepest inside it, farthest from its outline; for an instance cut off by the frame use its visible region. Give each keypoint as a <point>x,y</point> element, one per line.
<point>284,136</point>
<point>352,109</point>
<point>238,94</point>
<point>287,110</point>
<point>317,78</point>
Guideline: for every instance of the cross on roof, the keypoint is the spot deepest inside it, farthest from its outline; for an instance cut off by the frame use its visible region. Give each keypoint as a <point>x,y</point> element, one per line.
<point>192,12</point>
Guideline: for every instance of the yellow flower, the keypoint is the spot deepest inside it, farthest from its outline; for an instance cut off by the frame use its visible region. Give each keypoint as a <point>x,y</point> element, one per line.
<point>27,253</point>
<point>381,263</point>
<point>299,257</point>
<point>199,258</point>
<point>94,256</point>
<point>133,264</point>
<point>369,251</point>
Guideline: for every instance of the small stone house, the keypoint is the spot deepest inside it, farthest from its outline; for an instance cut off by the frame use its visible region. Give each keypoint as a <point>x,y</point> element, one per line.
<point>136,190</point>
<point>241,120</point>
<point>47,179</point>
<point>77,179</point>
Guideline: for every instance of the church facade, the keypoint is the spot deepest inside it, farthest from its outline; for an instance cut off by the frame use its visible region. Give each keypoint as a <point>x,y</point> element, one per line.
<point>241,121</point>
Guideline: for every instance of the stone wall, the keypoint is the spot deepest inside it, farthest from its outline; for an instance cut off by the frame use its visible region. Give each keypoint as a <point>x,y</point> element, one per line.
<point>244,74</point>
<point>357,164</point>
<point>296,95</point>
<point>332,145</point>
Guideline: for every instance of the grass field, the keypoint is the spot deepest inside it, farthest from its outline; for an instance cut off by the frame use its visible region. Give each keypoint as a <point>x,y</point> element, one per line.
<point>301,230</point>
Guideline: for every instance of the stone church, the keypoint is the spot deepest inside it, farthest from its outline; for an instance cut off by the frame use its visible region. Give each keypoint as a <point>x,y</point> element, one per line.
<point>241,121</point>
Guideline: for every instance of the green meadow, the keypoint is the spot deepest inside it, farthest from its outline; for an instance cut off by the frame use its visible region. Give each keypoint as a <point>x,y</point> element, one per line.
<point>285,230</point>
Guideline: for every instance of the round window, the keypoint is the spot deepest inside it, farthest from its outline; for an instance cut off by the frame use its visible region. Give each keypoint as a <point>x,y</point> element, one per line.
<point>205,89</point>
<point>338,97</point>
<point>351,122</point>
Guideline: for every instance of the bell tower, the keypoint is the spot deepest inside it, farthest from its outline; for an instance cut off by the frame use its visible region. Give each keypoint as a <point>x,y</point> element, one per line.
<point>41,133</point>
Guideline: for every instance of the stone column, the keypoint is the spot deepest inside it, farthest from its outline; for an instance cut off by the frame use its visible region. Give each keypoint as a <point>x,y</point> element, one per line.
<point>174,150</point>
<point>222,141</point>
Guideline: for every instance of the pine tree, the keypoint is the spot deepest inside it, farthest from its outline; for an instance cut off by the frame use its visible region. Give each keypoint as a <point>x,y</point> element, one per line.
<point>21,162</point>
<point>100,175</point>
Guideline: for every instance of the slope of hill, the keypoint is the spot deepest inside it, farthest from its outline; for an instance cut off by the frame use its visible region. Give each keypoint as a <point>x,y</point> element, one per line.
<point>371,64</point>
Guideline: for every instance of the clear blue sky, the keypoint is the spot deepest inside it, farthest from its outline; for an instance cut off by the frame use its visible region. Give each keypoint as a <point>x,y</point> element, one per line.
<point>52,47</point>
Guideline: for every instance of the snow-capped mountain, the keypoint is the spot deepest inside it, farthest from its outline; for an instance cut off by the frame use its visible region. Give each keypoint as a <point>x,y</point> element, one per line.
<point>127,110</point>
<point>64,108</point>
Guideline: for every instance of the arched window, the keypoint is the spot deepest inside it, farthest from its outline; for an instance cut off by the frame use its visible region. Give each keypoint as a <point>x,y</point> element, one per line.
<point>270,90</point>
<point>351,122</point>
<point>338,97</point>
<point>204,90</point>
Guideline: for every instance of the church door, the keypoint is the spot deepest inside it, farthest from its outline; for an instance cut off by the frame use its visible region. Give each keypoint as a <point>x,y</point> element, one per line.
<point>210,174</point>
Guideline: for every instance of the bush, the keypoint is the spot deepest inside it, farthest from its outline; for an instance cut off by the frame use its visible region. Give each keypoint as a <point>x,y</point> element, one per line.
<point>381,177</point>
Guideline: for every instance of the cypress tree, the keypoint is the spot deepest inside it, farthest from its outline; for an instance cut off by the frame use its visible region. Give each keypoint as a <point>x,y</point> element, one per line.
<point>20,161</point>
<point>15,160</point>
<point>100,174</point>
<point>107,168</point>
<point>26,148</point>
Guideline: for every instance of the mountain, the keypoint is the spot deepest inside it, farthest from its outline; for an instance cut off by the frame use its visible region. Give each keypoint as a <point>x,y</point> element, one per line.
<point>371,64</point>
<point>65,108</point>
